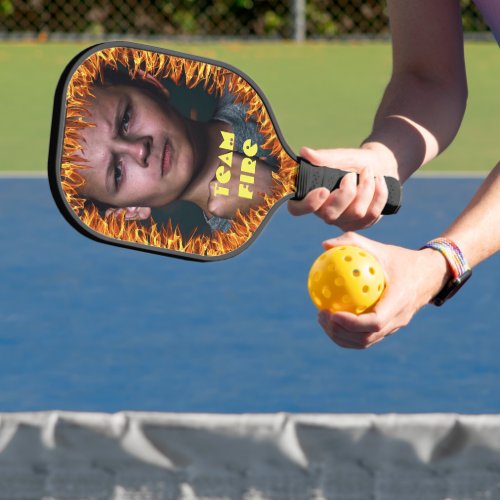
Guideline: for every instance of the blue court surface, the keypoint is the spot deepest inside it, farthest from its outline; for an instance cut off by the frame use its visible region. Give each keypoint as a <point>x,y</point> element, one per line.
<point>92,327</point>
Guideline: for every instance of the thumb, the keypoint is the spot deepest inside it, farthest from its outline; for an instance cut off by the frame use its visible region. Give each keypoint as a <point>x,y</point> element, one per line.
<point>349,238</point>
<point>352,159</point>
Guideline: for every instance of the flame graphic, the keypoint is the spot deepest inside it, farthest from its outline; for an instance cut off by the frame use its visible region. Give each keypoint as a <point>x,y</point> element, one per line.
<point>214,80</point>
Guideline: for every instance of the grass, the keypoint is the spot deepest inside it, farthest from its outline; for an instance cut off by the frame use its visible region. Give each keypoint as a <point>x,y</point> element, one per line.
<point>323,95</point>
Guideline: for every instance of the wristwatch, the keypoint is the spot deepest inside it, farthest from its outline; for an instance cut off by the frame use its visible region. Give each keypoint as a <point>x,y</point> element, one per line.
<point>460,270</point>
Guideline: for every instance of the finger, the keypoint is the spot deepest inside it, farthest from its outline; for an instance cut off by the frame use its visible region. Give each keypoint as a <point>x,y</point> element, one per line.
<point>356,215</point>
<point>137,213</point>
<point>380,196</point>
<point>348,238</point>
<point>343,343</point>
<point>361,340</point>
<point>365,191</point>
<point>385,318</point>
<point>374,342</point>
<point>354,340</point>
<point>350,340</point>
<point>144,213</point>
<point>356,224</point>
<point>336,330</point>
<point>338,201</point>
<point>356,160</point>
<point>356,239</point>
<point>362,324</point>
<point>311,203</point>
<point>339,339</point>
<point>114,211</point>
<point>338,334</point>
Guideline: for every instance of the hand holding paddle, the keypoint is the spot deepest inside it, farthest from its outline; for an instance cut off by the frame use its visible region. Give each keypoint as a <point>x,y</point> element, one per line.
<point>359,200</point>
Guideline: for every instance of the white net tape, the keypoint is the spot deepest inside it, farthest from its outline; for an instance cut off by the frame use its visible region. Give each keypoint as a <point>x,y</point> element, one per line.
<point>160,456</point>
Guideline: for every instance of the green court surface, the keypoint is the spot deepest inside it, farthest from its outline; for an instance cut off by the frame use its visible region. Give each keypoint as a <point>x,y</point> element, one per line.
<point>323,95</point>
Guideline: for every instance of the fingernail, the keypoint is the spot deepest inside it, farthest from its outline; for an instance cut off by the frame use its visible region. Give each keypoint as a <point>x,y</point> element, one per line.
<point>345,180</point>
<point>324,194</point>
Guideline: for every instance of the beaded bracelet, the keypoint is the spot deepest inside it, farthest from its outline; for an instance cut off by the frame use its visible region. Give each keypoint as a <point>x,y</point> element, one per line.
<point>460,269</point>
<point>452,254</point>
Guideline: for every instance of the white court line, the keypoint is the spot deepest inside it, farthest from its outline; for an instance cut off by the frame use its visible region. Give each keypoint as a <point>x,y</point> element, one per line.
<point>11,174</point>
<point>454,174</point>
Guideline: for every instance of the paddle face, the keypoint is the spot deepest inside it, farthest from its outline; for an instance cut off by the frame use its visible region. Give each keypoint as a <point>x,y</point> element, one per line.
<point>159,151</point>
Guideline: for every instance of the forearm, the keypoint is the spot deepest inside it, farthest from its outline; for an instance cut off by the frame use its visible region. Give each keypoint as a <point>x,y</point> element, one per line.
<point>424,102</point>
<point>416,120</point>
<point>477,230</point>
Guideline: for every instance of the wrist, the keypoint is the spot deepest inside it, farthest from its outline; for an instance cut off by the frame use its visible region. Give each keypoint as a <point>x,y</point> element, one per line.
<point>437,274</point>
<point>387,159</point>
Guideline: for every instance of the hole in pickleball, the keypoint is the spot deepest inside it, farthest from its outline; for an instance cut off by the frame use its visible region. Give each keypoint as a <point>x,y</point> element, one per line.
<point>372,270</point>
<point>346,299</point>
<point>359,310</point>
<point>330,268</point>
<point>366,289</point>
<point>363,254</point>
<point>348,258</point>
<point>379,288</point>
<point>356,273</point>
<point>326,292</point>
<point>317,276</point>
<point>339,281</point>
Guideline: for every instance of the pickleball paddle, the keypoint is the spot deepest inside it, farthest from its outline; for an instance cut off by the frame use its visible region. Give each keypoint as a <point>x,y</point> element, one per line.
<point>170,153</point>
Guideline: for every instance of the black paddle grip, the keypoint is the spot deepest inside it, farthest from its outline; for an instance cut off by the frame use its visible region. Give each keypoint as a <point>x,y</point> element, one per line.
<point>311,177</point>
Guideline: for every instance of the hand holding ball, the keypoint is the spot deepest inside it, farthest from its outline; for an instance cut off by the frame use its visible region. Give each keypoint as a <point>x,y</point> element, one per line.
<point>346,278</point>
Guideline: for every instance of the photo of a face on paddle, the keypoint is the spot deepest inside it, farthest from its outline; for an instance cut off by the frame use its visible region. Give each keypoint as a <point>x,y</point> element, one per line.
<point>170,153</point>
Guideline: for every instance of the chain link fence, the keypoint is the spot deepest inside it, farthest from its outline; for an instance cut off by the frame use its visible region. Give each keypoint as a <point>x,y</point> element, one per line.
<point>284,19</point>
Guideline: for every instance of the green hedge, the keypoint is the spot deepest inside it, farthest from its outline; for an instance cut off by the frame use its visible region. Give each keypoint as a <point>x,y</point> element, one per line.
<point>264,18</point>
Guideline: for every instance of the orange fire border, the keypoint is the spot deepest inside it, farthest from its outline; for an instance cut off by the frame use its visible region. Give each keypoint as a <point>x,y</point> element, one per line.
<point>214,80</point>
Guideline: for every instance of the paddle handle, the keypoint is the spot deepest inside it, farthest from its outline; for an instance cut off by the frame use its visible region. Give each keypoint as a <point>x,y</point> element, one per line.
<point>311,177</point>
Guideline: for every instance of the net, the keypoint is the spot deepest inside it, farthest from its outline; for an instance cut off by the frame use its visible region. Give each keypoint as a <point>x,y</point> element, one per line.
<point>153,456</point>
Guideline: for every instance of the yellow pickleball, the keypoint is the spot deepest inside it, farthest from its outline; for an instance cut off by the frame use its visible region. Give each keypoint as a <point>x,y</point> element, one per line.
<point>346,278</point>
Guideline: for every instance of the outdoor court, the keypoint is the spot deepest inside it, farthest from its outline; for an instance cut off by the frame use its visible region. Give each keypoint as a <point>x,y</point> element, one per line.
<point>255,401</point>
<point>91,327</point>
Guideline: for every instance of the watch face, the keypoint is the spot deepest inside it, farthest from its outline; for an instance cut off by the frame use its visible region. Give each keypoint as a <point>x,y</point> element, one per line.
<point>451,288</point>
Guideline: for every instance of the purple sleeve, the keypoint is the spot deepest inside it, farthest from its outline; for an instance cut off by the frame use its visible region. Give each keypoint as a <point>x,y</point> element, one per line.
<point>490,9</point>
